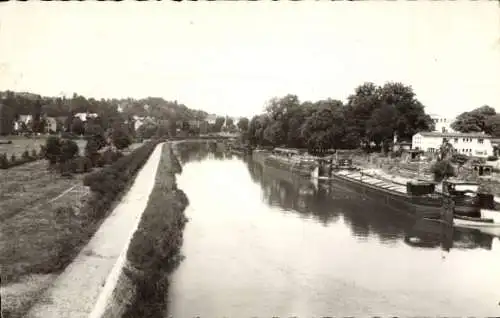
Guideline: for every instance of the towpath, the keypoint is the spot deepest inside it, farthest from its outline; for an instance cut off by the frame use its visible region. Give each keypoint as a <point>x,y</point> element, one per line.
<point>76,291</point>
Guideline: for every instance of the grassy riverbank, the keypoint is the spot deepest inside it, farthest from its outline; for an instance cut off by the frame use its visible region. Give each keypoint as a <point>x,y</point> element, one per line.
<point>154,249</point>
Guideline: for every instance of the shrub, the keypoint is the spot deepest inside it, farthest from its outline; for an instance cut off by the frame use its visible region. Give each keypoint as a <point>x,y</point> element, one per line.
<point>459,158</point>
<point>13,159</point>
<point>34,155</point>
<point>43,152</point>
<point>121,138</point>
<point>113,179</point>
<point>26,155</point>
<point>4,161</point>
<point>442,169</point>
<point>156,243</point>
<point>69,150</point>
<point>492,158</point>
<point>52,149</point>
<point>80,165</point>
<point>107,157</point>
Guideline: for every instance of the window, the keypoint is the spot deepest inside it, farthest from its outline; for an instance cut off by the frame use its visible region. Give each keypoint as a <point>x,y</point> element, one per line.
<point>480,140</point>
<point>456,140</point>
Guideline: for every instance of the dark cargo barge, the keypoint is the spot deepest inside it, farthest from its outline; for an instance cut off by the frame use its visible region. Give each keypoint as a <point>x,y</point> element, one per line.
<point>418,199</point>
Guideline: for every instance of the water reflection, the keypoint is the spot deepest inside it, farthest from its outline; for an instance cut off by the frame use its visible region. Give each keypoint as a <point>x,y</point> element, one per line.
<point>433,234</point>
<point>328,202</point>
<point>199,151</point>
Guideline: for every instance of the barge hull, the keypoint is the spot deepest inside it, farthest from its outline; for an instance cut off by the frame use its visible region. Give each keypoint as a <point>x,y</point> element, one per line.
<point>415,206</point>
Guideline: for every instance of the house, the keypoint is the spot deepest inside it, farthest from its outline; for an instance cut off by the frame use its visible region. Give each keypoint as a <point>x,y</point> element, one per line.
<point>84,116</point>
<point>442,123</point>
<point>51,124</point>
<point>139,121</point>
<point>471,144</point>
<point>211,119</point>
<point>24,120</point>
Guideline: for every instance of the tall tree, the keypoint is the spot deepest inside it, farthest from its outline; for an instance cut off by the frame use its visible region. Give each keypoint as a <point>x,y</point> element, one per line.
<point>410,114</point>
<point>475,120</point>
<point>219,122</point>
<point>243,123</point>
<point>492,124</point>
<point>77,126</point>
<point>325,127</point>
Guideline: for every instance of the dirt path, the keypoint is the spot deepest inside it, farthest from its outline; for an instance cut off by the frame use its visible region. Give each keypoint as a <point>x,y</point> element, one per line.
<point>76,291</point>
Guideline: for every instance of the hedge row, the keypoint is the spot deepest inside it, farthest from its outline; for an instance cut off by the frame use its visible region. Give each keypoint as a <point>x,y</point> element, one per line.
<point>154,249</point>
<point>112,180</point>
<point>13,161</point>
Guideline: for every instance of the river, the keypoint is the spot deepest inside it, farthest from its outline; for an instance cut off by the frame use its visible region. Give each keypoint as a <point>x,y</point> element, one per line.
<point>261,242</point>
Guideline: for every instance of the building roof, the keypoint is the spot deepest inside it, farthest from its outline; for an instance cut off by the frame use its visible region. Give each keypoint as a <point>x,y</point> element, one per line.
<point>453,135</point>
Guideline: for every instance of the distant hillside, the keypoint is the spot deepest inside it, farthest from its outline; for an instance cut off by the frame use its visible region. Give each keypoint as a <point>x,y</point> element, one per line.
<point>23,103</point>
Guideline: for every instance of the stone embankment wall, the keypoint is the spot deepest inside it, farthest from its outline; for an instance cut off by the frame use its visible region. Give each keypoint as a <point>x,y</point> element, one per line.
<point>141,283</point>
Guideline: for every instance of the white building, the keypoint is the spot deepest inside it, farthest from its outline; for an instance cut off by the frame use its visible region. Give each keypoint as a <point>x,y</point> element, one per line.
<point>51,124</point>
<point>442,123</point>
<point>472,144</point>
<point>84,116</point>
<point>211,119</point>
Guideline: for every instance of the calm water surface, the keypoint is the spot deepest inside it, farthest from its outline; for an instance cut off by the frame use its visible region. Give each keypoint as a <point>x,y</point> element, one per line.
<point>261,242</point>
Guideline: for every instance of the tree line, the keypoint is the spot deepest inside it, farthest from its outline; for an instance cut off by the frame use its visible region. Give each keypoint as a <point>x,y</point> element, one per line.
<point>372,116</point>
<point>109,111</point>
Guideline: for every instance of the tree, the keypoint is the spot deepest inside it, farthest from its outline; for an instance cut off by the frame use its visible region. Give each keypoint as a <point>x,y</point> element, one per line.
<point>445,150</point>
<point>77,126</point>
<point>380,127</point>
<point>360,106</point>
<point>96,140</point>
<point>492,124</point>
<point>219,122</point>
<point>442,169</point>
<point>274,133</point>
<point>229,122</point>
<point>256,129</point>
<point>147,130</point>
<point>53,149</point>
<point>475,120</point>
<point>325,128</point>
<point>121,137</point>
<point>243,124</point>
<point>6,119</point>
<point>69,150</point>
<point>410,114</point>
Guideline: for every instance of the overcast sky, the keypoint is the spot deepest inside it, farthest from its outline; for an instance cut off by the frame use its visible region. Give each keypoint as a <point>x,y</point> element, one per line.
<point>231,57</point>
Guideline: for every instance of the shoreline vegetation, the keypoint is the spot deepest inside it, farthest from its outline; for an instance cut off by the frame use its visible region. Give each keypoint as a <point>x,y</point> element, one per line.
<point>154,251</point>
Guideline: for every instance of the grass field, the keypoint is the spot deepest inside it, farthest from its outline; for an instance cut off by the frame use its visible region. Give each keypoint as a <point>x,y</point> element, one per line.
<point>20,144</point>
<point>33,235</point>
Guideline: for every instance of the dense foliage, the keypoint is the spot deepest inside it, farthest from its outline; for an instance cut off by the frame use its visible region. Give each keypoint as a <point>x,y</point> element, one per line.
<point>15,104</point>
<point>372,115</point>
<point>442,169</point>
<point>480,119</point>
<point>13,161</point>
<point>107,183</point>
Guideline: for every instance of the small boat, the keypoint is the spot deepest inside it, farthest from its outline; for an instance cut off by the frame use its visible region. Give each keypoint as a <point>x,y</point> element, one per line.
<point>488,222</point>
